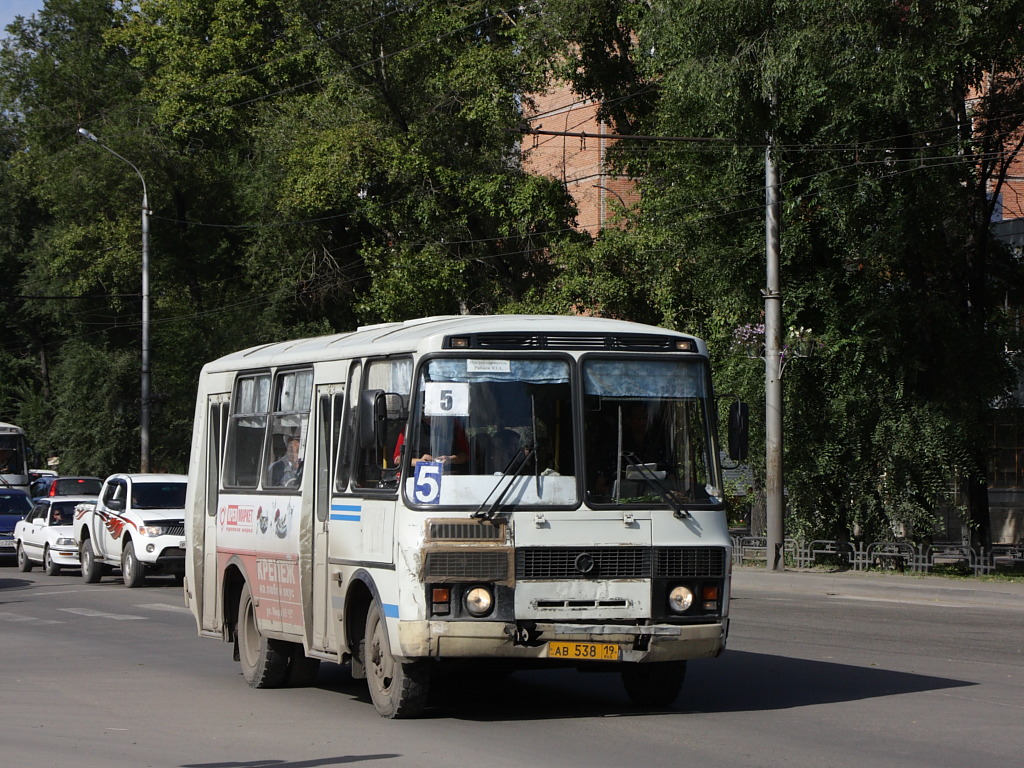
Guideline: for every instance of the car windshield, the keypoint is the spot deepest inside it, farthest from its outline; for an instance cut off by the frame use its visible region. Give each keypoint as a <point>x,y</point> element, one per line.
<point>158,495</point>
<point>14,504</point>
<point>646,432</point>
<point>77,486</point>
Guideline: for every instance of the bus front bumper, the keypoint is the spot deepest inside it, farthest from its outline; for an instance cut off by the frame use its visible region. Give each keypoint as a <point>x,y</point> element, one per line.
<point>542,640</point>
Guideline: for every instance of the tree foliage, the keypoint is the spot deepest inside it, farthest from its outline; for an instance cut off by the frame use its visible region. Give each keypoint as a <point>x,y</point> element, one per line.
<point>315,165</point>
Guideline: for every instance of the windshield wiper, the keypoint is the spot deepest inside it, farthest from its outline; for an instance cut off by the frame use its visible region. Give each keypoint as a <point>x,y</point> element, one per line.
<point>652,479</point>
<point>526,453</point>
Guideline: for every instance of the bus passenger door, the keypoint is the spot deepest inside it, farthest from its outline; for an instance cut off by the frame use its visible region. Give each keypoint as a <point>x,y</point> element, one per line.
<point>208,589</point>
<point>330,409</point>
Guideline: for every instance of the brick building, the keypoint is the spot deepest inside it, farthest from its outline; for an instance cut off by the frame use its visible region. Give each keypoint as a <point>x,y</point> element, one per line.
<point>579,163</point>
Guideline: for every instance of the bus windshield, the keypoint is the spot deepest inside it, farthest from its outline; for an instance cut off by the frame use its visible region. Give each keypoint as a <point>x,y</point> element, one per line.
<point>646,432</point>
<point>484,429</point>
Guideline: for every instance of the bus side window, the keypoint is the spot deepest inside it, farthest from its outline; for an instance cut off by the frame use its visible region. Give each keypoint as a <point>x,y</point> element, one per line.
<point>247,431</point>
<point>375,465</point>
<point>348,431</point>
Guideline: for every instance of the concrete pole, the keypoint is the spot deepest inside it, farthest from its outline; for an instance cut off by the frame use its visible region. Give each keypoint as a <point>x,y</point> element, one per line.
<point>773,368</point>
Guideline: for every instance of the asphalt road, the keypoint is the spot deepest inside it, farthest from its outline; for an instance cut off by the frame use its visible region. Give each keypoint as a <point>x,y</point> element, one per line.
<point>820,671</point>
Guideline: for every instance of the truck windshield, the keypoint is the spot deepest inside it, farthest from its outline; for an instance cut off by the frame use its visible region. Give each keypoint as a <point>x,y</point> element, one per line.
<point>646,432</point>
<point>487,428</point>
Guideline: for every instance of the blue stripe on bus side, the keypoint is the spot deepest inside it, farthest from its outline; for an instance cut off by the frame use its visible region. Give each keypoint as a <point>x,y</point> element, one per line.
<point>390,611</point>
<point>336,508</point>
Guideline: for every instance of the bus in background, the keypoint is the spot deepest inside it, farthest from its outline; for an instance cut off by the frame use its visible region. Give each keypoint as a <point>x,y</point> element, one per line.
<point>529,490</point>
<point>14,457</point>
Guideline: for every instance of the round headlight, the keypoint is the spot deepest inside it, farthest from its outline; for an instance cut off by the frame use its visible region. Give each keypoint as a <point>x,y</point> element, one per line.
<point>478,601</point>
<point>680,599</point>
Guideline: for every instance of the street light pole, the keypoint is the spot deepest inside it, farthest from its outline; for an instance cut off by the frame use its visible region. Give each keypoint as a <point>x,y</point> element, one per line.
<point>145,383</point>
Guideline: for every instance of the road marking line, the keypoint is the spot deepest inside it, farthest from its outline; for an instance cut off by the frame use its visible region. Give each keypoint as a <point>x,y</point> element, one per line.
<point>165,607</point>
<point>101,614</point>
<point>15,617</point>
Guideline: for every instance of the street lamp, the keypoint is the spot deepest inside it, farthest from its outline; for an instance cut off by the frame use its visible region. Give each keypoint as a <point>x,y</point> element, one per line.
<point>144,409</point>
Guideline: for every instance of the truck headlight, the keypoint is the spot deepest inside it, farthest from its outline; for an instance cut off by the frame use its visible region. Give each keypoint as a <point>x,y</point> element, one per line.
<point>152,530</point>
<point>680,599</point>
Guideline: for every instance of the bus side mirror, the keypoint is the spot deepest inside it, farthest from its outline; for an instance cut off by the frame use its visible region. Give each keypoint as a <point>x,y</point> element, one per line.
<point>739,430</point>
<point>373,413</point>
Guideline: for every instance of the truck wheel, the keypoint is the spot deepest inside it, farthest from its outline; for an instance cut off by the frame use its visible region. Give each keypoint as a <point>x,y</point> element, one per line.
<point>397,689</point>
<point>24,564</point>
<point>655,685</point>
<point>92,571</point>
<point>132,571</point>
<point>264,661</point>
<point>51,568</point>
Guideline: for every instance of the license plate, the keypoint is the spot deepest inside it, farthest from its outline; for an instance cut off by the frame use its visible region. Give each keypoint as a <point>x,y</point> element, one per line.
<point>7,544</point>
<point>585,651</point>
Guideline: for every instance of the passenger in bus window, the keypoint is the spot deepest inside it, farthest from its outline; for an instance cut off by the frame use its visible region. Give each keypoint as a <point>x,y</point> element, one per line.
<point>452,452</point>
<point>287,470</point>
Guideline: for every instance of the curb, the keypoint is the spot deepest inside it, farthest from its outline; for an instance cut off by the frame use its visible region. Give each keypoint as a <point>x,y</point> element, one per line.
<point>929,590</point>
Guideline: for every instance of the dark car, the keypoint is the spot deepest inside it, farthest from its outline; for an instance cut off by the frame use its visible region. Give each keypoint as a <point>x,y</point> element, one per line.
<point>14,505</point>
<point>65,486</point>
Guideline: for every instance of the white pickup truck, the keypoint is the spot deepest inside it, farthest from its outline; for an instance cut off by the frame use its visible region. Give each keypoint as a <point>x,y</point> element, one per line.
<point>137,525</point>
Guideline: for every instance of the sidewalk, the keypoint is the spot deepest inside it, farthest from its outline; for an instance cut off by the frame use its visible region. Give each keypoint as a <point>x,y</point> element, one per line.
<point>933,590</point>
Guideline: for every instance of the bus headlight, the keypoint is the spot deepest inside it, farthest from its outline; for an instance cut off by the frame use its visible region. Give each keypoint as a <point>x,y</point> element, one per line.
<point>680,599</point>
<point>478,601</point>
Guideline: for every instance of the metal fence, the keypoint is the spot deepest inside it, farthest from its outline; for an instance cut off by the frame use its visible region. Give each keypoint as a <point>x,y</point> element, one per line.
<point>900,556</point>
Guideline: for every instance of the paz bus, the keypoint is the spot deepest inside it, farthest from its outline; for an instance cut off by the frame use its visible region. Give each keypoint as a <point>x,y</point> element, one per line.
<point>14,455</point>
<point>515,490</point>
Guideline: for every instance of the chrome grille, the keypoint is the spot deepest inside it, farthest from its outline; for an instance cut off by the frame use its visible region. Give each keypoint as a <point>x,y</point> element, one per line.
<point>676,562</point>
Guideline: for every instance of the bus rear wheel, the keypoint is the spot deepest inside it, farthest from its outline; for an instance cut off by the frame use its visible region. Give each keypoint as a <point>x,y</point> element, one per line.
<point>656,685</point>
<point>264,661</point>
<point>397,689</point>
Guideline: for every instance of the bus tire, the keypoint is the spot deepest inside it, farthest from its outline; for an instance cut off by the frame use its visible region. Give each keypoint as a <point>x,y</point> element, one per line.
<point>397,689</point>
<point>92,571</point>
<point>24,564</point>
<point>656,685</point>
<point>51,568</point>
<point>132,571</point>
<point>264,661</point>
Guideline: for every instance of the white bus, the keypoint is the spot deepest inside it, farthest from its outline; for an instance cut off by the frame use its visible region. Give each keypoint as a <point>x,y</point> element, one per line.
<point>527,490</point>
<point>14,456</point>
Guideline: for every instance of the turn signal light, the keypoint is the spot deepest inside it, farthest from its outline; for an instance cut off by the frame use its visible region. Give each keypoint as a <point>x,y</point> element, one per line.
<point>709,597</point>
<point>441,601</point>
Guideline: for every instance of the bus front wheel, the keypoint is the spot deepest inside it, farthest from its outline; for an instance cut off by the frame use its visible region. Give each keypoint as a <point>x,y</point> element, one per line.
<point>656,685</point>
<point>264,661</point>
<point>397,689</point>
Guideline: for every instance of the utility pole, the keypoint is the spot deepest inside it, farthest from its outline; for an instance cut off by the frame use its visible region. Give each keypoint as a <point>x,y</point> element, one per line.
<point>773,367</point>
